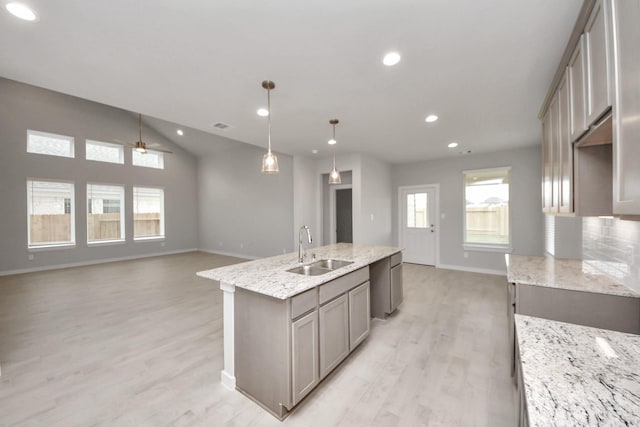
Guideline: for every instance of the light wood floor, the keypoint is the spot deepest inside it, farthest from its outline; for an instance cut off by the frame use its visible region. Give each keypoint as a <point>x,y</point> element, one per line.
<point>139,343</point>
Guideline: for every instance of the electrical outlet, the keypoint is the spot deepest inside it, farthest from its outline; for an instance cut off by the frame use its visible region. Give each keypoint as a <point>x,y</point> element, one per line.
<point>466,254</point>
<point>31,257</point>
<point>220,244</point>
<point>241,245</point>
<point>162,244</point>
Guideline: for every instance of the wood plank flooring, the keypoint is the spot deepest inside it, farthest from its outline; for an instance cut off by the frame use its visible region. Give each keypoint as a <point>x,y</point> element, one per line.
<point>139,343</point>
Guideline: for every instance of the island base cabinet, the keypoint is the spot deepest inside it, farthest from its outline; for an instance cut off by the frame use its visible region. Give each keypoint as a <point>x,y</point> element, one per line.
<point>334,334</point>
<point>304,348</point>
<point>386,285</point>
<point>396,286</point>
<point>359,315</point>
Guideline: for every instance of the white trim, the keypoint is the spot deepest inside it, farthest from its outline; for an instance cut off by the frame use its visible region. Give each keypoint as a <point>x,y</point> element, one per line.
<point>472,269</point>
<point>332,209</point>
<point>228,374</point>
<point>233,254</point>
<point>93,262</point>
<point>479,247</point>
<point>436,219</point>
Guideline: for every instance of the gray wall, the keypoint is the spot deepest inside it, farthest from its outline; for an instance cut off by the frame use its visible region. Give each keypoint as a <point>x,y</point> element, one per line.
<point>376,202</point>
<point>243,211</point>
<point>304,198</point>
<point>25,107</point>
<point>526,213</point>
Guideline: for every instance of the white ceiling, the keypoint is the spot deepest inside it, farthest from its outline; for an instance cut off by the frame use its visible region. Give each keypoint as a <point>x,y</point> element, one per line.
<point>483,66</point>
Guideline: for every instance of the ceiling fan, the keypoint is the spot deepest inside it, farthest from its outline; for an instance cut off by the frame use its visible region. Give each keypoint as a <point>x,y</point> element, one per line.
<point>140,146</point>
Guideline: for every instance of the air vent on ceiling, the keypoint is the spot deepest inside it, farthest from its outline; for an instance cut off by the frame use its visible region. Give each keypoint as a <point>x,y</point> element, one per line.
<point>221,125</point>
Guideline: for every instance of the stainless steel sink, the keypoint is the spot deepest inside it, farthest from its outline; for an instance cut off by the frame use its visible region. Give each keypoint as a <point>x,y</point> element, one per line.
<point>320,267</point>
<point>331,264</point>
<point>309,270</point>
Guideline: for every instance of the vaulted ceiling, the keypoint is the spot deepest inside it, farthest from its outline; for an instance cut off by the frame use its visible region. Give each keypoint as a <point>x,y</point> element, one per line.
<point>482,66</point>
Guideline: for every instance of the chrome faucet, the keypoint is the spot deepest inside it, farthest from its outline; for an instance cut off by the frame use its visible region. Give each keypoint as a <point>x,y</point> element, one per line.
<point>300,247</point>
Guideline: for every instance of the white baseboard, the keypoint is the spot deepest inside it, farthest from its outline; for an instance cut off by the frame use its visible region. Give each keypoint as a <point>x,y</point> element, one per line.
<point>93,262</point>
<point>243,256</point>
<point>229,381</point>
<point>472,269</point>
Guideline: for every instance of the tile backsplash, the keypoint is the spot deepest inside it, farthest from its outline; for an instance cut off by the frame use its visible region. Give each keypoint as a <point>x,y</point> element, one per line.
<point>613,247</point>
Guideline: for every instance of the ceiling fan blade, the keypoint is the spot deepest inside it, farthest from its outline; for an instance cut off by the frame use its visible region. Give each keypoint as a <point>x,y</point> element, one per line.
<point>117,141</point>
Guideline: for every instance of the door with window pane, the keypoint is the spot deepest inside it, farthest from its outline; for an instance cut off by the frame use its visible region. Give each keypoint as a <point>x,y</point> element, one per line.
<point>418,225</point>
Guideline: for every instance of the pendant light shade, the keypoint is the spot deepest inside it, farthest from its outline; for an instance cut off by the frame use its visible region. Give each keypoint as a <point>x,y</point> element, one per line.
<point>334,175</point>
<point>269,160</point>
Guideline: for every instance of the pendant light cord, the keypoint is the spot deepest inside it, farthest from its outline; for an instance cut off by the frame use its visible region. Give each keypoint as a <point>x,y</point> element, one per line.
<point>269,116</point>
<point>140,126</point>
<point>334,145</point>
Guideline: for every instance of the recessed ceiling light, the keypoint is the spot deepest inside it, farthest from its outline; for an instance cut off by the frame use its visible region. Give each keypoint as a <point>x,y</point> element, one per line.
<point>314,151</point>
<point>180,132</point>
<point>391,58</point>
<point>263,112</point>
<point>21,11</point>
<point>431,118</point>
<point>452,145</point>
<point>332,142</point>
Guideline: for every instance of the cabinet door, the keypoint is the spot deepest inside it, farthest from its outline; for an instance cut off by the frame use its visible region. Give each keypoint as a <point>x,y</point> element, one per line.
<point>577,91</point>
<point>549,155</point>
<point>359,315</point>
<point>596,37</point>
<point>304,355</point>
<point>334,334</point>
<point>626,108</point>
<point>396,287</point>
<point>564,161</point>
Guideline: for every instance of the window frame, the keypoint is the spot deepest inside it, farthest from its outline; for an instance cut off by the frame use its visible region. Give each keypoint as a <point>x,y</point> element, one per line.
<point>135,153</point>
<point>69,139</point>
<point>72,213</point>
<point>486,247</point>
<point>162,235</point>
<point>104,144</point>
<point>123,234</point>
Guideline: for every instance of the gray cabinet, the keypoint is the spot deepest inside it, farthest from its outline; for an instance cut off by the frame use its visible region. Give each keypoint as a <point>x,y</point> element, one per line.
<point>597,47</point>
<point>304,355</point>
<point>549,138</point>
<point>396,287</point>
<point>563,179</point>
<point>386,285</point>
<point>626,108</point>
<point>334,334</point>
<point>359,315</point>
<point>576,70</point>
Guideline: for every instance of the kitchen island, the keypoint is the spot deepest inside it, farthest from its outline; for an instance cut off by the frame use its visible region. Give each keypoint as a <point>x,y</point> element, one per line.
<point>575,375</point>
<point>284,331</point>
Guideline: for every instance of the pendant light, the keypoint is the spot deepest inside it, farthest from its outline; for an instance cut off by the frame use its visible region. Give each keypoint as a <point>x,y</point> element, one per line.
<point>269,160</point>
<point>334,175</point>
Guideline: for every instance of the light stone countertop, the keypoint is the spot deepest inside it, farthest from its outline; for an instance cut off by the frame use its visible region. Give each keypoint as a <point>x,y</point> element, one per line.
<point>571,274</point>
<point>570,379</point>
<point>268,276</point>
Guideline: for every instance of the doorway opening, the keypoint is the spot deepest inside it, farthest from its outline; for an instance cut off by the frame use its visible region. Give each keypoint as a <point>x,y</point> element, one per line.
<point>337,210</point>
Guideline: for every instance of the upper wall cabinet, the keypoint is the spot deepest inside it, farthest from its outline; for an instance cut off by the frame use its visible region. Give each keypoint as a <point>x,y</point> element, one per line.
<point>626,107</point>
<point>597,44</point>
<point>591,130</point>
<point>576,70</point>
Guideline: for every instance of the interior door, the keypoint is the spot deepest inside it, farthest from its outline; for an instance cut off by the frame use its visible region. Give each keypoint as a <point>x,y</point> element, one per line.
<point>344,225</point>
<point>418,225</point>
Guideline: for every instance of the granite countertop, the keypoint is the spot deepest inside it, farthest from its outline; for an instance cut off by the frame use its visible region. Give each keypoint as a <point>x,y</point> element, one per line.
<point>571,378</point>
<point>571,274</point>
<point>268,276</point>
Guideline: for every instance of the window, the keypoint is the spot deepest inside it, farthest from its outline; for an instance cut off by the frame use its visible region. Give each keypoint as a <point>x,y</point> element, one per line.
<point>417,212</point>
<point>104,152</point>
<point>148,159</point>
<point>105,213</point>
<point>49,144</point>
<point>487,209</point>
<point>148,213</point>
<point>50,215</point>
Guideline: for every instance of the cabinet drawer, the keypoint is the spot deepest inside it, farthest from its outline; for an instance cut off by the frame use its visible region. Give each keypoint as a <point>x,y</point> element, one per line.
<point>396,259</point>
<point>304,302</point>
<point>338,286</point>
